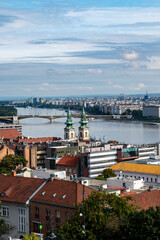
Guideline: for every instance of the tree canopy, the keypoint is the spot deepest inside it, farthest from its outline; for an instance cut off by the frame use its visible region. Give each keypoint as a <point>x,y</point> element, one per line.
<point>107,173</point>
<point>143,225</point>
<point>103,214</point>
<point>9,163</point>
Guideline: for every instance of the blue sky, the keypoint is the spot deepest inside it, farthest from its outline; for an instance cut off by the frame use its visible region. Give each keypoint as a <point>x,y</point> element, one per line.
<point>64,48</point>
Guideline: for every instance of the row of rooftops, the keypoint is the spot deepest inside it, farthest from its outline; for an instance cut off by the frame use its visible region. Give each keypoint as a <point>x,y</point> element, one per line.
<point>53,191</point>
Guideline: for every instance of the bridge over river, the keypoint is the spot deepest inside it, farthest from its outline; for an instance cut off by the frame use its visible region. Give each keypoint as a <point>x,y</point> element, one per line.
<point>15,119</point>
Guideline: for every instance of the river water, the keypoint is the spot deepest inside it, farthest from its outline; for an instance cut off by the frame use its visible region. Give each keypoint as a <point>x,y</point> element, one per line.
<point>124,132</point>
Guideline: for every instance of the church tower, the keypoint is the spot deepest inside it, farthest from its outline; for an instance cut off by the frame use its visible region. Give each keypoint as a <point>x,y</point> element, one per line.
<point>83,129</point>
<point>69,131</point>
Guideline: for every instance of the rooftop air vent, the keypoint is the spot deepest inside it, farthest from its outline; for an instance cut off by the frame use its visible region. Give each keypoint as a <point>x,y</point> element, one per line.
<point>63,197</point>
<point>42,194</point>
<point>54,195</point>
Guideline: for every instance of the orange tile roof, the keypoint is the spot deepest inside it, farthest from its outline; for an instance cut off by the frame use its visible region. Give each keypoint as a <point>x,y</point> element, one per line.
<point>41,139</point>
<point>144,200</point>
<point>148,199</point>
<point>61,192</point>
<point>135,167</point>
<point>9,133</point>
<point>69,161</point>
<point>18,189</point>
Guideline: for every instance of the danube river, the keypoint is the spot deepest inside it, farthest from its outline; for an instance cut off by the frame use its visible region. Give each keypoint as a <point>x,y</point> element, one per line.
<point>124,132</point>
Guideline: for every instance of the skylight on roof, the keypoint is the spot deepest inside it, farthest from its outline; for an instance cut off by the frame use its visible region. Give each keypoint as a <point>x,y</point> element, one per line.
<point>54,195</point>
<point>42,194</point>
<point>63,197</point>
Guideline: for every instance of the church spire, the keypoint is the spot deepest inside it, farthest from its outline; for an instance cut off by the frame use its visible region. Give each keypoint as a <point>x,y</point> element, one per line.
<point>69,131</point>
<point>83,122</point>
<point>69,122</point>
<point>83,129</point>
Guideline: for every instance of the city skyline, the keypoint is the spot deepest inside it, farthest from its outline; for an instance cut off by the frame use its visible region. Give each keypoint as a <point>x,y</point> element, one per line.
<point>59,48</point>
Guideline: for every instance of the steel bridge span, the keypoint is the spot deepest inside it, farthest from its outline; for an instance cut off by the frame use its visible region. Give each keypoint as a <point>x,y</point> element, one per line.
<point>15,119</point>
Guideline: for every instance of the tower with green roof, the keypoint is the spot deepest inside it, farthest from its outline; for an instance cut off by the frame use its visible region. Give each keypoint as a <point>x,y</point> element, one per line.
<point>83,129</point>
<point>69,131</point>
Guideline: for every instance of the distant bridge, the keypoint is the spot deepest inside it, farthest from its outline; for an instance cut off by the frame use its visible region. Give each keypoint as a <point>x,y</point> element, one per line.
<point>15,119</point>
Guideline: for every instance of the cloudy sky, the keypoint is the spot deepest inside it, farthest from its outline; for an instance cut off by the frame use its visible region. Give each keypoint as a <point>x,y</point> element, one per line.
<point>63,48</point>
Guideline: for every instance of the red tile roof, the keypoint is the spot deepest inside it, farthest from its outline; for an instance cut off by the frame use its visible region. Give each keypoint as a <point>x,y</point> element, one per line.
<point>41,139</point>
<point>61,192</point>
<point>69,161</point>
<point>148,199</point>
<point>9,133</point>
<point>18,189</point>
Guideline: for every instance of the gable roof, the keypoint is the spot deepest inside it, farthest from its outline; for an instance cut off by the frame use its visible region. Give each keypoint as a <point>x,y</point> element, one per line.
<point>18,189</point>
<point>61,192</point>
<point>135,167</point>
<point>69,161</point>
<point>9,133</point>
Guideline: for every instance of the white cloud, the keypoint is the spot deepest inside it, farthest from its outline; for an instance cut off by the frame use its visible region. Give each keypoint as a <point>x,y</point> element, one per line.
<point>139,87</point>
<point>27,89</point>
<point>153,62</point>
<point>131,55</point>
<point>45,84</point>
<point>118,86</point>
<point>95,71</point>
<point>43,89</point>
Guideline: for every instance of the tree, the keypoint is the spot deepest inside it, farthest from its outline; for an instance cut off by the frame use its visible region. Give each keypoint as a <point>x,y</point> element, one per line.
<point>30,237</point>
<point>3,228</point>
<point>103,214</point>
<point>9,163</point>
<point>107,173</point>
<point>143,225</point>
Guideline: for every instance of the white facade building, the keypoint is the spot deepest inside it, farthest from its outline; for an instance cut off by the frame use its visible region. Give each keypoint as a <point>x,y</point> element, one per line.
<point>128,183</point>
<point>151,111</point>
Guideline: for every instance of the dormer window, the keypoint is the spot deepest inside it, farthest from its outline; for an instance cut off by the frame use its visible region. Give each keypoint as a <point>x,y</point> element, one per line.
<point>54,195</point>
<point>3,194</point>
<point>63,197</point>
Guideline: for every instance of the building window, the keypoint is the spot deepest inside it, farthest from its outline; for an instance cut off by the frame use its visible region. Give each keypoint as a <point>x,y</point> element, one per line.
<point>36,212</point>
<point>4,211</point>
<point>67,216</point>
<point>86,134</point>
<point>151,179</point>
<point>36,227</point>
<point>147,179</point>
<point>21,219</point>
<point>155,179</point>
<point>57,214</point>
<point>57,218</point>
<point>48,213</point>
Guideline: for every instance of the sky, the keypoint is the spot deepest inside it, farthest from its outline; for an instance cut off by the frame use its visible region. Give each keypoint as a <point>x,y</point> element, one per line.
<point>73,48</point>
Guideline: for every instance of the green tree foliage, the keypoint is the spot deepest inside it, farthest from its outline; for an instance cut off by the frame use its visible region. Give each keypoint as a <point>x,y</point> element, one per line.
<point>107,173</point>
<point>143,225</point>
<point>103,214</point>
<point>3,228</point>
<point>9,163</point>
<point>8,111</point>
<point>137,114</point>
<point>30,237</point>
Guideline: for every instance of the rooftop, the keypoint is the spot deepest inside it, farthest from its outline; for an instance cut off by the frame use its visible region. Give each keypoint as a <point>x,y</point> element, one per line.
<point>61,192</point>
<point>69,161</point>
<point>9,133</point>
<point>135,167</point>
<point>18,189</point>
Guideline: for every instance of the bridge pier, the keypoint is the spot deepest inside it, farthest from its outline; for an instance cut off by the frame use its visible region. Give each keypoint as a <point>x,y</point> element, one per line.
<point>15,120</point>
<point>51,119</point>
